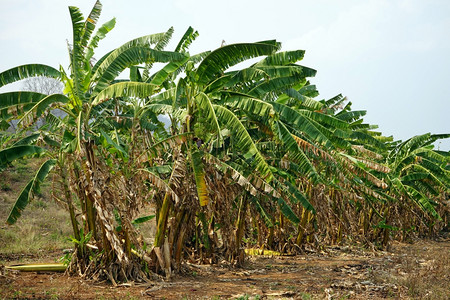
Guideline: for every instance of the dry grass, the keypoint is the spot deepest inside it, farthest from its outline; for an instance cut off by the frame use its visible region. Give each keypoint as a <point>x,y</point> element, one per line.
<point>43,226</point>
<point>421,270</point>
<point>428,273</point>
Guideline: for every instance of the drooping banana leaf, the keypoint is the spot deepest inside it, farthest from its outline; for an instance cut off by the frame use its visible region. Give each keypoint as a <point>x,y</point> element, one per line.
<point>423,202</point>
<point>169,143</point>
<point>159,183</point>
<point>28,140</point>
<point>304,100</point>
<point>134,52</point>
<point>282,58</point>
<point>167,70</point>
<point>27,71</point>
<point>40,107</point>
<point>224,57</point>
<point>301,123</point>
<point>12,153</point>
<point>17,103</point>
<point>297,196</point>
<point>243,140</point>
<point>266,216</point>
<point>296,153</point>
<point>31,188</point>
<point>207,110</point>
<point>121,89</point>
<point>277,84</point>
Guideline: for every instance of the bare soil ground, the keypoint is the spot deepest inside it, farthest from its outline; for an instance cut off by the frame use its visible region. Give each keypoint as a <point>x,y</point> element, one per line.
<point>408,271</point>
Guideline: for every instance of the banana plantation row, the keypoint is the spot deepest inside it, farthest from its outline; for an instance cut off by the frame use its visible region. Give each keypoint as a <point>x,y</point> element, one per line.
<point>249,158</point>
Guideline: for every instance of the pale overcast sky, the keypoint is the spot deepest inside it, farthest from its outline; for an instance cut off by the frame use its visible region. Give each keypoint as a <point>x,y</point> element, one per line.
<point>389,57</point>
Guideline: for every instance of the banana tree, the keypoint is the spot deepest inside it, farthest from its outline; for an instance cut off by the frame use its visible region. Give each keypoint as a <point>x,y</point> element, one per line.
<point>419,177</point>
<point>73,141</point>
<point>249,122</point>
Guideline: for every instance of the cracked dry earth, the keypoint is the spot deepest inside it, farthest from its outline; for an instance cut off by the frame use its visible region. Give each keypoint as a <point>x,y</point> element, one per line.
<point>408,271</point>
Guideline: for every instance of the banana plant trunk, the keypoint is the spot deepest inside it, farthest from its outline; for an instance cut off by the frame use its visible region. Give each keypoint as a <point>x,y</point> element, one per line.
<point>68,196</point>
<point>240,223</point>
<point>162,221</point>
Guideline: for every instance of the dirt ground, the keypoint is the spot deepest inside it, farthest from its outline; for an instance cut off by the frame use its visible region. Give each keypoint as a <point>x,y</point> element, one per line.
<point>420,270</point>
